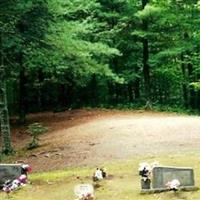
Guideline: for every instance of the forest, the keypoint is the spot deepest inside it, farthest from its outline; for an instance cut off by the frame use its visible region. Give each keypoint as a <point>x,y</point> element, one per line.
<point>65,54</point>
<point>83,87</point>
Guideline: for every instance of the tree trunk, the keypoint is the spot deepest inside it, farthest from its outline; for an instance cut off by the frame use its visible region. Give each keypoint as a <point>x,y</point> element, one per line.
<point>192,93</point>
<point>22,94</point>
<point>130,92</point>
<point>94,90</point>
<point>146,70</point>
<point>5,124</point>
<point>39,90</point>
<point>62,96</point>
<point>137,85</point>
<point>184,84</point>
<point>4,116</point>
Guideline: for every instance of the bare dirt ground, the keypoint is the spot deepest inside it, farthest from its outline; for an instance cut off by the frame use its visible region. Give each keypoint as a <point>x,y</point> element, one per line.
<point>91,137</point>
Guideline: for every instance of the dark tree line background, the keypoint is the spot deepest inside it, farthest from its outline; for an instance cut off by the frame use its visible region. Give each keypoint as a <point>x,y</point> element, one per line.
<point>59,54</point>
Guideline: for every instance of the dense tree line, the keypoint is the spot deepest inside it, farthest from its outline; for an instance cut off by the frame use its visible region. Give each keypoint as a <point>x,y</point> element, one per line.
<point>58,54</point>
<point>103,52</point>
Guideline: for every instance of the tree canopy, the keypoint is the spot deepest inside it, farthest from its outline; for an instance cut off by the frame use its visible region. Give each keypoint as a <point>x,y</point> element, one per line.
<point>60,54</point>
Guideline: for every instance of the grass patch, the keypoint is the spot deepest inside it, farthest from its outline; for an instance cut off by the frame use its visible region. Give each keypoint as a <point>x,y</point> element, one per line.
<point>139,106</point>
<point>124,182</point>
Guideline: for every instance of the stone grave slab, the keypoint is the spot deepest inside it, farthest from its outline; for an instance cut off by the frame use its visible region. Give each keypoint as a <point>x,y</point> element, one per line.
<point>9,172</point>
<point>162,175</point>
<point>83,189</point>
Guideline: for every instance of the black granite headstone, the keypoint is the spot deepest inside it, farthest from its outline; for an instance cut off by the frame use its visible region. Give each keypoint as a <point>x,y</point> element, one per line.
<point>9,172</point>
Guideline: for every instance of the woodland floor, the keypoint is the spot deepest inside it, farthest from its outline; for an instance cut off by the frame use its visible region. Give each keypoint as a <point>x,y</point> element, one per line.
<point>92,137</point>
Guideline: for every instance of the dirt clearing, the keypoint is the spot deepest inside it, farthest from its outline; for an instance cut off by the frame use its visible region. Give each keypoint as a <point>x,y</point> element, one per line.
<point>91,137</point>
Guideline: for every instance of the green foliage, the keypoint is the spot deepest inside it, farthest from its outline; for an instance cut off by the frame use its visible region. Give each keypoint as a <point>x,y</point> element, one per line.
<point>150,11</point>
<point>75,53</point>
<point>196,85</point>
<point>35,130</point>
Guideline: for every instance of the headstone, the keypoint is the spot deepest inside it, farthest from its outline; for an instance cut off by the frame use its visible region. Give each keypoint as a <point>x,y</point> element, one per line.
<point>146,184</point>
<point>163,175</point>
<point>9,172</point>
<point>83,190</point>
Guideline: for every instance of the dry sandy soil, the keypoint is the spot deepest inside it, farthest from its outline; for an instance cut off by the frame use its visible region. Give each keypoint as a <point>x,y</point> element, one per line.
<point>91,137</point>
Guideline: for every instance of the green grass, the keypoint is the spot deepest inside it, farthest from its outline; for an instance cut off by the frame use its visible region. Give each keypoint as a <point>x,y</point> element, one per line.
<point>124,184</point>
<point>141,106</point>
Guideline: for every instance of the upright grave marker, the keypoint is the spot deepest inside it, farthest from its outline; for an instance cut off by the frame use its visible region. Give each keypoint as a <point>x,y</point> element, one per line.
<point>9,172</point>
<point>160,176</point>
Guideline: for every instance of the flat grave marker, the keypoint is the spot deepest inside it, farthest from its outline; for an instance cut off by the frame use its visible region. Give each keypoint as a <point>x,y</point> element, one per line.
<point>82,190</point>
